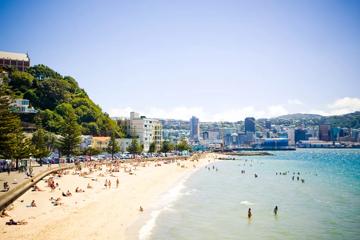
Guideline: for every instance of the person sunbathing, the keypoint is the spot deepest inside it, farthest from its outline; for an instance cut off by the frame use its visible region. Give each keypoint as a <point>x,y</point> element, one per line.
<point>36,188</point>
<point>79,190</point>
<point>89,186</point>
<point>68,193</point>
<point>57,202</point>
<point>33,204</point>
<point>6,186</point>
<point>4,214</point>
<point>12,222</point>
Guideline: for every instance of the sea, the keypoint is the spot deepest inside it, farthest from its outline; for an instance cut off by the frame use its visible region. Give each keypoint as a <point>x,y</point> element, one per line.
<point>213,202</point>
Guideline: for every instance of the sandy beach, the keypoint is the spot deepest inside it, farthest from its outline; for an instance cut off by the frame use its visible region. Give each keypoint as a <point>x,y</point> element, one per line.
<point>99,212</point>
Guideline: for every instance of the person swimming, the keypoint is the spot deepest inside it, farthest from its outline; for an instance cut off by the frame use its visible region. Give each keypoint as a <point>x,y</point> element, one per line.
<point>249,213</point>
<point>276,210</point>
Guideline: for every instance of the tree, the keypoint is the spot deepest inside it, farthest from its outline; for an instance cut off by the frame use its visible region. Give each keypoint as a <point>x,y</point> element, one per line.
<point>13,144</point>
<point>41,146</point>
<point>53,92</point>
<point>21,80</point>
<point>167,147</point>
<point>152,147</point>
<point>70,133</point>
<point>183,145</point>
<point>135,147</point>
<point>42,72</point>
<point>21,148</point>
<point>8,120</point>
<point>113,146</point>
<point>90,151</point>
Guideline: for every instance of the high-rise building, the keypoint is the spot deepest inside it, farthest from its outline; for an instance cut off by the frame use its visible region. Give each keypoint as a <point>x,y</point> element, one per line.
<point>268,124</point>
<point>205,135</point>
<point>291,136</point>
<point>300,135</point>
<point>18,61</point>
<point>194,129</point>
<point>250,124</point>
<point>335,133</point>
<point>324,132</point>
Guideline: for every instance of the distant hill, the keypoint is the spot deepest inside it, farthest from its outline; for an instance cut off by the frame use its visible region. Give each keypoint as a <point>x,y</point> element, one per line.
<point>53,95</point>
<point>350,120</point>
<point>296,116</point>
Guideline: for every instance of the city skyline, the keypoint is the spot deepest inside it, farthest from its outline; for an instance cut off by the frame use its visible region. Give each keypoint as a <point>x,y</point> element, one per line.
<point>219,62</point>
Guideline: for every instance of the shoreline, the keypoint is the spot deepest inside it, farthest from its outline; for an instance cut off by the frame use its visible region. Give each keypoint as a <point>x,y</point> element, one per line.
<point>143,226</point>
<point>98,213</point>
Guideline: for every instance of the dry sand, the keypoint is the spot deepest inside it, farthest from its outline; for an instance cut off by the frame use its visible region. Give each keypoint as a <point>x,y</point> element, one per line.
<point>98,213</point>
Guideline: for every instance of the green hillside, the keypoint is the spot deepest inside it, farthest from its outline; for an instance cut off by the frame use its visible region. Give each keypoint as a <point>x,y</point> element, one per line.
<point>350,120</point>
<point>54,96</point>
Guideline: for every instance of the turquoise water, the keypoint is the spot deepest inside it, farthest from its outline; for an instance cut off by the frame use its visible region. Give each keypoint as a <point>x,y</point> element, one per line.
<point>213,204</point>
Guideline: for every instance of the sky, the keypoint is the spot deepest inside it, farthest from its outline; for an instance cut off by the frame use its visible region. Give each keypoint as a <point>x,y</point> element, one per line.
<point>217,60</point>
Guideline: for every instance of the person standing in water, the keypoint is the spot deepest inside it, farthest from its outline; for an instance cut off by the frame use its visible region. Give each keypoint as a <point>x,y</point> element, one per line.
<point>249,213</point>
<point>276,210</point>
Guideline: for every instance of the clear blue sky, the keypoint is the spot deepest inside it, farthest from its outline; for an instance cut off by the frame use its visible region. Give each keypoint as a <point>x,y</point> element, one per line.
<point>219,60</point>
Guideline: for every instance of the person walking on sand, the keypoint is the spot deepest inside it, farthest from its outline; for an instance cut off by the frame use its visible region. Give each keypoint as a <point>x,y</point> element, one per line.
<point>109,184</point>
<point>117,183</point>
<point>276,210</point>
<point>249,213</point>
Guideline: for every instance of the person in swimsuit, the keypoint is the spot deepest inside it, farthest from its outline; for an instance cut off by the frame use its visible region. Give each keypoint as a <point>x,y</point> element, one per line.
<point>249,213</point>
<point>276,210</point>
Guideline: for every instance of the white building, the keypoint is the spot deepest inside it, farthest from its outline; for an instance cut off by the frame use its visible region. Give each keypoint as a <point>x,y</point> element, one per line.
<point>85,141</point>
<point>147,130</point>
<point>22,106</point>
<point>123,143</point>
<point>291,136</point>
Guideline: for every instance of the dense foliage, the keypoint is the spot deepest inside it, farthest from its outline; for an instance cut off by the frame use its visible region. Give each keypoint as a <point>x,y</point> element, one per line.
<point>167,146</point>
<point>53,95</point>
<point>113,146</point>
<point>135,147</point>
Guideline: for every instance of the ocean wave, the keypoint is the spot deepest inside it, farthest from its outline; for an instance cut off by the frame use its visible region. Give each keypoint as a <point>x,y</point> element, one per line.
<point>247,203</point>
<point>194,190</point>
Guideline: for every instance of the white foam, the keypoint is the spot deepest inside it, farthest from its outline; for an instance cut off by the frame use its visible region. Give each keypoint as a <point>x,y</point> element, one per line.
<point>247,203</point>
<point>165,203</point>
<point>187,193</point>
